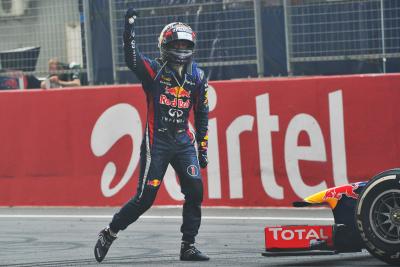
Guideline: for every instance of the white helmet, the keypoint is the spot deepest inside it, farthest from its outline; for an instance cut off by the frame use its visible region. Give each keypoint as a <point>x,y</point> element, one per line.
<point>176,31</point>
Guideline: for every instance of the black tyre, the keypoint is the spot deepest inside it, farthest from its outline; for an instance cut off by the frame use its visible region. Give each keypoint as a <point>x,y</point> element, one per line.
<point>378,216</point>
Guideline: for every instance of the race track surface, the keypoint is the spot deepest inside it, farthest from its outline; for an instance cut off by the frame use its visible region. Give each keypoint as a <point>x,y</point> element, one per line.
<point>231,237</point>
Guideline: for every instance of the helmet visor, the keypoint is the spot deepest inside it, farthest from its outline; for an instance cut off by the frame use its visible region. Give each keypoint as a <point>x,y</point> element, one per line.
<point>180,44</point>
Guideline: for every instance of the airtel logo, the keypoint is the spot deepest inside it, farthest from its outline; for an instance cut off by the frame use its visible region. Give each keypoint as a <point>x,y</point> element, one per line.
<point>297,234</point>
<point>123,119</point>
<point>116,122</point>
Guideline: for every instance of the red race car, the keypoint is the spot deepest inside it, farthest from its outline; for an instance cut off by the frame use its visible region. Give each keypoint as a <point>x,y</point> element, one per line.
<point>366,215</point>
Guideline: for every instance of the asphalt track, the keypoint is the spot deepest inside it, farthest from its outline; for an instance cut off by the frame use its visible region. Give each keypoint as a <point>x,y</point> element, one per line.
<point>231,237</point>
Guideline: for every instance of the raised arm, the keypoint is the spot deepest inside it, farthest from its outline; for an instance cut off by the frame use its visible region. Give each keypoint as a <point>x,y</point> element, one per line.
<point>144,68</point>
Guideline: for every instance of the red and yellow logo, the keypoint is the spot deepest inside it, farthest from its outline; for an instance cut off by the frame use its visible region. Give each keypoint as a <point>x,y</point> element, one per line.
<point>178,92</point>
<point>154,182</point>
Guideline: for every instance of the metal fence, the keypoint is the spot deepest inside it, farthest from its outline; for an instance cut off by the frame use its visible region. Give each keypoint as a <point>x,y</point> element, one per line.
<point>226,30</point>
<point>327,30</point>
<point>229,31</point>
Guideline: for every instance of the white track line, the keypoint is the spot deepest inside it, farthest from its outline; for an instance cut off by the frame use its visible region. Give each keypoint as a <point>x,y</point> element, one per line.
<point>56,216</point>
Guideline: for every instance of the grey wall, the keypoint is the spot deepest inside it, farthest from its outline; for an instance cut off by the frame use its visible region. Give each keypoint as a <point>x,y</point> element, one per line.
<point>43,25</point>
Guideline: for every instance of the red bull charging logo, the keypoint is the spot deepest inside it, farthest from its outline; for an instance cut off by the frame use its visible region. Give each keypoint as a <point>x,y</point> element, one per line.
<point>154,183</point>
<point>178,92</point>
<point>338,192</point>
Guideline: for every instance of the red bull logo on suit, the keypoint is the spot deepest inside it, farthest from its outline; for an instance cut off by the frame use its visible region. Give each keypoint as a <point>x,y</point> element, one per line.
<point>178,92</point>
<point>154,182</point>
<point>176,102</point>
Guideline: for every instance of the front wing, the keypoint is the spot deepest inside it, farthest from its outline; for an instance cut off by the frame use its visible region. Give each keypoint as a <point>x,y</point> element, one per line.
<point>297,240</point>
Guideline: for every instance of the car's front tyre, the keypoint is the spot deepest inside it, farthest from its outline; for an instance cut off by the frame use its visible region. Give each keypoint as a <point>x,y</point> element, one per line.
<point>378,216</point>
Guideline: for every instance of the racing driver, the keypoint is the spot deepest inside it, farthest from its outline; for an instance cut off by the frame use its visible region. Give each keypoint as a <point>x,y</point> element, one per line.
<point>173,84</point>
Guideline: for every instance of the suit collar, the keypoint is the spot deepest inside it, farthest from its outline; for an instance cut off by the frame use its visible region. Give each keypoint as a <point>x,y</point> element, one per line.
<point>188,70</point>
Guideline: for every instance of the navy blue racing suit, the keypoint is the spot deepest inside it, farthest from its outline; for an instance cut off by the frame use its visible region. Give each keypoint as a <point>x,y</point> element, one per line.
<point>167,138</point>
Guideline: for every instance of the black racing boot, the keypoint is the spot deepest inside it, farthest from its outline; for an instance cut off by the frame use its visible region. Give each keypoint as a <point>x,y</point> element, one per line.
<point>190,253</point>
<point>103,244</point>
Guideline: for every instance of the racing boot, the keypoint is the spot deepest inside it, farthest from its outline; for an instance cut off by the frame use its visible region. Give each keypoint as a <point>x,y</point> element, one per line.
<point>190,253</point>
<point>103,243</point>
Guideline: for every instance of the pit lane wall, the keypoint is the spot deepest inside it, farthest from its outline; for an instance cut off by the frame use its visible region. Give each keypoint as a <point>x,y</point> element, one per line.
<point>272,141</point>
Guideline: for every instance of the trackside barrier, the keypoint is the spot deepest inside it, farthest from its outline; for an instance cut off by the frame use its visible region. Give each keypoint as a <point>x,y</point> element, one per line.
<point>272,141</point>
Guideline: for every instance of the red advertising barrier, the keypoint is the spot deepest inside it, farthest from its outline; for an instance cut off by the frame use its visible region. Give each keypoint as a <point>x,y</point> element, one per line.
<point>272,141</point>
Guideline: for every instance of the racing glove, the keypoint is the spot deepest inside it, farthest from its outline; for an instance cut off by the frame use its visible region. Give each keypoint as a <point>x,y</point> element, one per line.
<point>203,159</point>
<point>130,16</point>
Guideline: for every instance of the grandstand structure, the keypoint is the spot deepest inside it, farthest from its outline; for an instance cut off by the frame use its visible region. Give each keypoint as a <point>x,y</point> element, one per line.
<point>236,38</point>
